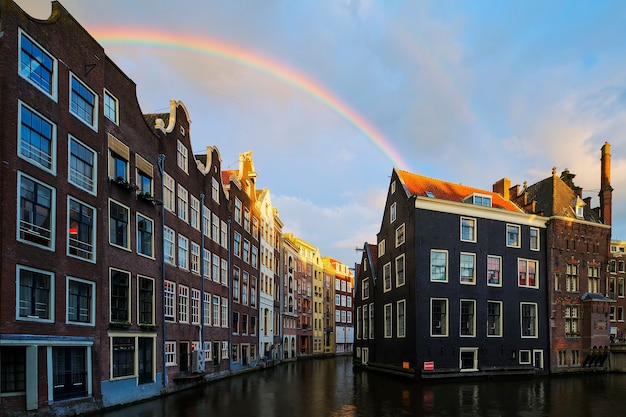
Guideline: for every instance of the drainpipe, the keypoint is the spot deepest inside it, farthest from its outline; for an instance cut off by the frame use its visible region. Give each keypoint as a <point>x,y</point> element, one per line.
<point>202,271</point>
<point>161,164</point>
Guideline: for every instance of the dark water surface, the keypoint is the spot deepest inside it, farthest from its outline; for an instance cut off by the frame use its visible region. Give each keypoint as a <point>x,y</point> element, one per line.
<point>330,387</point>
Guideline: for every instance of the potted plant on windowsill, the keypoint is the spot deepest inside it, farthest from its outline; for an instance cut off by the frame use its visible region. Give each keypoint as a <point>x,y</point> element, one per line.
<point>122,183</point>
<point>120,324</point>
<point>148,198</point>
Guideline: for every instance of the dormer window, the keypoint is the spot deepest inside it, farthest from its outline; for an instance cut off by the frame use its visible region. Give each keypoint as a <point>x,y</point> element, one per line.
<point>479,200</point>
<point>580,204</point>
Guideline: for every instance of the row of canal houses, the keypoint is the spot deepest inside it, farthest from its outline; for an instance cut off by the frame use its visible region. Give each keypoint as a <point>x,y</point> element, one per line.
<point>132,267</point>
<point>514,280</point>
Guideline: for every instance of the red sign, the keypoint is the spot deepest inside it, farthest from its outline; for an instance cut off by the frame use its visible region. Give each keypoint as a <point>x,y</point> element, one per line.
<point>429,366</point>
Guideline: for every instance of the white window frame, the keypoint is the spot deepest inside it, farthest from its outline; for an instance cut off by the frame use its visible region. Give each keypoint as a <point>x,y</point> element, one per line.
<point>51,295</point>
<point>111,112</point>
<point>170,353</point>
<point>473,318</point>
<point>169,300</point>
<point>94,110</point>
<point>52,156</point>
<point>194,216</point>
<point>392,213</point>
<point>400,268</point>
<point>388,320</point>
<point>77,178</point>
<point>169,245</point>
<point>183,252</point>
<point>94,231</point>
<point>444,252</point>
<point>446,314</point>
<point>387,277</point>
<point>535,324</point>
<point>463,279</point>
<point>183,303</point>
<point>140,218</point>
<point>28,226</point>
<point>182,156</point>
<point>462,222</point>
<point>509,229</point>
<point>128,224</point>
<point>53,93</point>
<point>92,302</point>
<point>500,320</point>
<point>499,282</point>
<point>473,350</point>
<point>169,193</point>
<point>400,235</point>
<point>182,206</point>
<point>401,318</point>
<point>537,245</point>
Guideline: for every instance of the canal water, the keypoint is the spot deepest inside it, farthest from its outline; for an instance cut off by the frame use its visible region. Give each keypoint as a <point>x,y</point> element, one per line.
<point>331,387</point>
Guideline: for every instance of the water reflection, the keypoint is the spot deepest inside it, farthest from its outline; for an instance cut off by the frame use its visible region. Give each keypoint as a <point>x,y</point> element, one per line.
<point>330,387</point>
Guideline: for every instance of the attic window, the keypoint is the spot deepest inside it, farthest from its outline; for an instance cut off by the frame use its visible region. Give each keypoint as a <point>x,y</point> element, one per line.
<point>579,207</point>
<point>429,194</point>
<point>479,200</point>
<point>579,211</point>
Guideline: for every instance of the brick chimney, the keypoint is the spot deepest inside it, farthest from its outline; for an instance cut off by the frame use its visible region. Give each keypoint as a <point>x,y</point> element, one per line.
<point>606,191</point>
<point>502,187</point>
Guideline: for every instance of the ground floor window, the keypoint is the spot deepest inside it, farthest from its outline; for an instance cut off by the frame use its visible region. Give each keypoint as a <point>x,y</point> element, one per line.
<point>133,356</point>
<point>468,359</point>
<point>524,357</point>
<point>12,369</point>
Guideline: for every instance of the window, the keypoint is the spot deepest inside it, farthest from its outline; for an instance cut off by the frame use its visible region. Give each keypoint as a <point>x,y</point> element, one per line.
<point>215,228</point>
<point>206,221</point>
<point>119,232</point>
<point>183,252</point>
<point>237,214</point>
<point>181,156</point>
<point>183,203</point>
<point>35,294</point>
<point>571,277</point>
<point>621,266</point>
<point>620,287</point>
<point>36,212</point>
<point>194,217</point>
<point>111,109</point>
<point>244,288</point>
<point>169,198</point>
<point>479,200</point>
<point>529,319</point>
<point>468,318</point>
<point>438,317</point>
<point>494,318</point>
<point>236,284</point>
<point>195,258</point>
<point>400,235</point>
<point>365,293</point>
<point>37,66</point>
<point>83,103</point>
<point>527,272</point>
<point>224,350</point>
<point>206,263</point>
<point>524,357</point>
<point>144,176</point>
<point>169,290</point>
<point>534,238</point>
<point>145,290</point>
<point>400,278</point>
<point>594,280</point>
<point>183,304</point>
<point>392,213</point>
<point>620,313</point>
<point>401,318</point>
<point>254,256</point>
<point>387,277</point>
<point>371,321</point>
<point>494,266</point>
<point>81,301</point>
<point>512,236</point>
<point>168,246</point>
<point>571,321</point>
<point>145,242</point>
<point>246,220</point>
<point>388,321</point>
<point>439,265</point>
<point>381,248</point>
<point>82,166</point>
<point>12,369</point>
<point>170,353</point>
<point>224,312</point>
<point>216,268</point>
<point>216,311</point>
<point>120,295</point>
<point>246,250</point>
<point>81,234</point>
<point>223,234</point>
<point>237,244</point>
<point>123,358</point>
<point>206,308</point>
<point>468,359</point>
<point>468,229</point>
<point>37,139</point>
<point>215,190</point>
<point>235,326</point>
<point>468,268</point>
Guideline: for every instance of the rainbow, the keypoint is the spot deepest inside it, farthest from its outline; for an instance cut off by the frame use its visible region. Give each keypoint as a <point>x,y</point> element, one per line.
<point>213,47</point>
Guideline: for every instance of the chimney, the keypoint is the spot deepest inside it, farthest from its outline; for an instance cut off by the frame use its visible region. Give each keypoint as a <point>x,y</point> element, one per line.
<point>502,187</point>
<point>606,191</point>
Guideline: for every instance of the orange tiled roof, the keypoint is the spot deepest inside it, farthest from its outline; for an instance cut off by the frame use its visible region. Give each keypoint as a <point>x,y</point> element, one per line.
<point>426,187</point>
<point>226,174</point>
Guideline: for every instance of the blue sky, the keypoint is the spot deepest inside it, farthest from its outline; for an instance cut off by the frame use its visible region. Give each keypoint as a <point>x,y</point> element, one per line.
<point>467,92</point>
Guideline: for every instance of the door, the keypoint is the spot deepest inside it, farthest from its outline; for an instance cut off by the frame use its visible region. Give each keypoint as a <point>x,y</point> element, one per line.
<point>145,360</point>
<point>184,357</point>
<point>69,372</point>
<point>216,353</point>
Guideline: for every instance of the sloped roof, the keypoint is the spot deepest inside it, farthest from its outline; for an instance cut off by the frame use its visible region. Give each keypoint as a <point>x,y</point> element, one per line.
<point>553,197</point>
<point>226,175</point>
<point>152,118</point>
<point>420,185</point>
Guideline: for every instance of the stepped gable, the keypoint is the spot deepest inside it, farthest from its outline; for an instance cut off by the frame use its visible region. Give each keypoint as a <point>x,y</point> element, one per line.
<point>423,186</point>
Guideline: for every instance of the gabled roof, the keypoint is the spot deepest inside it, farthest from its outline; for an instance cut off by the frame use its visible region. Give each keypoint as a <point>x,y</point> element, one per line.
<point>553,197</point>
<point>420,185</point>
